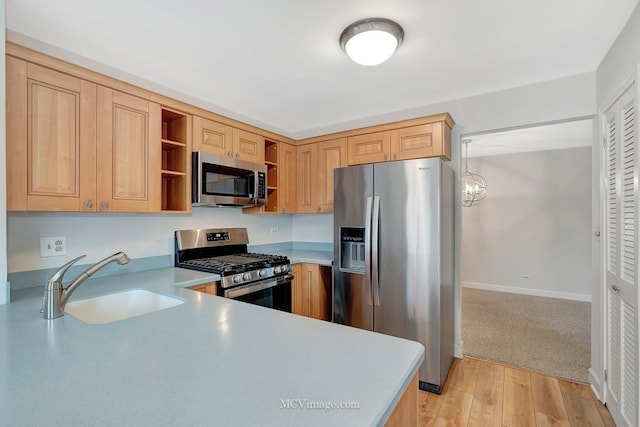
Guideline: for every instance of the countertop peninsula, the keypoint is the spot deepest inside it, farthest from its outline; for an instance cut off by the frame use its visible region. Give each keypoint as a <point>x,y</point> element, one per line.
<point>209,361</point>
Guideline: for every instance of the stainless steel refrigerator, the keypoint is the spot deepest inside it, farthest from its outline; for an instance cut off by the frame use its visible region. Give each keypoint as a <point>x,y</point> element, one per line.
<point>393,256</point>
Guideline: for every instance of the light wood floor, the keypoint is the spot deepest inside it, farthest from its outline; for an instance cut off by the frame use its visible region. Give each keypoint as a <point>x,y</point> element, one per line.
<point>485,394</point>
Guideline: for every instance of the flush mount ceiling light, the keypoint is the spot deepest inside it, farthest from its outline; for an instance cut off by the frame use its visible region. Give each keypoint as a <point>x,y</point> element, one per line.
<point>371,41</point>
<point>474,186</point>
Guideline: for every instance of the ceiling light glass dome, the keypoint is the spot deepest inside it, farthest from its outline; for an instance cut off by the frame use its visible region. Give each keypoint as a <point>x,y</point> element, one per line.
<point>371,41</point>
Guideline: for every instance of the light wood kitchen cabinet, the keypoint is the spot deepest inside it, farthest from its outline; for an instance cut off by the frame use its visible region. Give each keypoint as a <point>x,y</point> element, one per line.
<point>205,288</point>
<point>129,153</point>
<point>248,146</point>
<point>412,142</point>
<point>368,148</point>
<point>51,139</point>
<point>332,154</point>
<point>280,159</point>
<point>73,145</point>
<point>308,194</point>
<point>286,178</point>
<point>217,138</point>
<point>428,140</point>
<point>212,137</point>
<point>311,291</point>
<point>316,163</point>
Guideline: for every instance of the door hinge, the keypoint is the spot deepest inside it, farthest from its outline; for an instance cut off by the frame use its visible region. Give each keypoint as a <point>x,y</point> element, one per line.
<point>605,375</point>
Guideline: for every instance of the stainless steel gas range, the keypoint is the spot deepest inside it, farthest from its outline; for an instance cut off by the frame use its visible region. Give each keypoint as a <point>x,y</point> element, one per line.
<point>260,279</point>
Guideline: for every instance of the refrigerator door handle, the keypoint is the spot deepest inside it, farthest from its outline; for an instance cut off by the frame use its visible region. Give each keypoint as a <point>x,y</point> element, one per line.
<point>367,251</point>
<point>374,250</point>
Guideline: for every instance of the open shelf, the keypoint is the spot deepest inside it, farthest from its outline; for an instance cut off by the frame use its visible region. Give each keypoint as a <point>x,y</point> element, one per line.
<point>175,160</point>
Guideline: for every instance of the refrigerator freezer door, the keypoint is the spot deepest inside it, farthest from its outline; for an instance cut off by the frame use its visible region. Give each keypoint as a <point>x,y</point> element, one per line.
<point>408,234</point>
<point>353,194</point>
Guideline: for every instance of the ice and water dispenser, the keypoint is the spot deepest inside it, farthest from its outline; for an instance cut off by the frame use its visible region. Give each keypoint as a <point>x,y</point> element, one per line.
<point>352,249</point>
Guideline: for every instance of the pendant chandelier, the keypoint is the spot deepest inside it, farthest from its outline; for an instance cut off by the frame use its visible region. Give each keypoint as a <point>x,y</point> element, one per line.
<point>474,186</point>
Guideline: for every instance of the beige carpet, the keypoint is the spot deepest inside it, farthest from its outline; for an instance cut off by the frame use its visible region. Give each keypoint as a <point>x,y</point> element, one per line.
<point>546,335</point>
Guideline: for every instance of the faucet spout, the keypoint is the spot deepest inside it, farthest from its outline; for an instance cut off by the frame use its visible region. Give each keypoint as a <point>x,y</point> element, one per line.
<point>56,296</point>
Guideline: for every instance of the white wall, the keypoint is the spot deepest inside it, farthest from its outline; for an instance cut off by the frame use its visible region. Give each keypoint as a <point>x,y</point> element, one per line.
<point>139,235</point>
<point>313,228</point>
<point>535,221</point>
<point>619,64</point>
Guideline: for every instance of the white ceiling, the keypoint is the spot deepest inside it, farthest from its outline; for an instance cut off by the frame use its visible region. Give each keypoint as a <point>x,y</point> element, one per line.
<point>278,64</point>
<point>556,136</point>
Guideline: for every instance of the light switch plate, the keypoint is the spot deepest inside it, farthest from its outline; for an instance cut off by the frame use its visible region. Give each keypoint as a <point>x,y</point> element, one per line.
<point>53,246</point>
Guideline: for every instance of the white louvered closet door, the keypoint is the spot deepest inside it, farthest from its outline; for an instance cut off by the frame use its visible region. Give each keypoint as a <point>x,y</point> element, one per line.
<point>621,256</point>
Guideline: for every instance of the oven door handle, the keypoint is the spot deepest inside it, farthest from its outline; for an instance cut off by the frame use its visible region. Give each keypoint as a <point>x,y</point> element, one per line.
<point>257,286</point>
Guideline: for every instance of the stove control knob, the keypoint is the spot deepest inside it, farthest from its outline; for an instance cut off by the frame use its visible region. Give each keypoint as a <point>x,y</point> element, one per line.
<point>246,276</point>
<point>277,269</point>
<point>285,268</point>
<point>237,278</point>
<point>262,273</point>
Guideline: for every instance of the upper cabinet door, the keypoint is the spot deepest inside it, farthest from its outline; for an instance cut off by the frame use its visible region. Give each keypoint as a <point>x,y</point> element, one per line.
<point>286,178</point>
<point>248,146</point>
<point>212,137</point>
<point>368,148</point>
<point>333,154</point>
<point>417,141</point>
<point>51,141</point>
<point>307,185</point>
<point>129,152</point>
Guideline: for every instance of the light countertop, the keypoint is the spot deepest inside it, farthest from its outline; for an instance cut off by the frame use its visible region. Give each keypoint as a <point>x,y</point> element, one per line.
<point>209,361</point>
<point>297,256</point>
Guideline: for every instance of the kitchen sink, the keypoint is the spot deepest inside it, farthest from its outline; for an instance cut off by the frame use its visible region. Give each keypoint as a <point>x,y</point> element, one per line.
<point>119,306</point>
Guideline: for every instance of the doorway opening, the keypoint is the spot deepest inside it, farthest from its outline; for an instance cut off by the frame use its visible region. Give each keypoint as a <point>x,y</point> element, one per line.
<point>526,249</point>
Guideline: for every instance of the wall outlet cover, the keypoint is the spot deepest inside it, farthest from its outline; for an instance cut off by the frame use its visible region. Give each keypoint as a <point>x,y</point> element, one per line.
<point>53,246</point>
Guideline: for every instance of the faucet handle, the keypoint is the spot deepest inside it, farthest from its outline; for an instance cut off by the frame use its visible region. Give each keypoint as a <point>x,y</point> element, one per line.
<point>57,276</point>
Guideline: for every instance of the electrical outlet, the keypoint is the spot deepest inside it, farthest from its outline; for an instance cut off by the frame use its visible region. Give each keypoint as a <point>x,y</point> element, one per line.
<point>525,276</point>
<point>53,246</point>
<point>275,230</point>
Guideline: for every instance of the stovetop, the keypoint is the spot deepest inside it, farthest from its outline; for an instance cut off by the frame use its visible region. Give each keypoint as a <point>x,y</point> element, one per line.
<point>224,252</point>
<point>226,265</point>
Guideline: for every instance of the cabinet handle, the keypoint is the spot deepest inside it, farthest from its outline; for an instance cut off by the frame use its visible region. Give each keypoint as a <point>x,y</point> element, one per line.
<point>284,210</point>
<point>318,210</point>
<point>384,156</point>
<point>89,204</point>
<point>105,205</point>
<point>237,155</point>
<point>230,153</point>
<point>615,288</point>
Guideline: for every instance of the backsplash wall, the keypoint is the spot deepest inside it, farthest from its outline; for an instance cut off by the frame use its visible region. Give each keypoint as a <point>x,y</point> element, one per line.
<point>313,228</point>
<point>139,235</point>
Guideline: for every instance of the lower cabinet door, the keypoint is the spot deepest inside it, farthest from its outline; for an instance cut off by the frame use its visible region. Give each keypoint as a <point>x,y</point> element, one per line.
<point>311,291</point>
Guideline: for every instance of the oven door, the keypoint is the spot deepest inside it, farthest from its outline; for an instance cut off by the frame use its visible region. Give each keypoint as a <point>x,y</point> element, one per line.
<point>272,293</point>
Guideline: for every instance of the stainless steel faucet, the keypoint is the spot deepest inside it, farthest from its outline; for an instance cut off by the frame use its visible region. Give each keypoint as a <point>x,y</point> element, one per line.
<point>56,296</point>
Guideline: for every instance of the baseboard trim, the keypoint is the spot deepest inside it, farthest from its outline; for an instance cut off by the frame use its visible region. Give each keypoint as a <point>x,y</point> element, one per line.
<point>528,291</point>
<point>594,381</point>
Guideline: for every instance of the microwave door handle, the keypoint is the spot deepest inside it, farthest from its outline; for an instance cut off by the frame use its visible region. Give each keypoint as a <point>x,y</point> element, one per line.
<point>256,186</point>
<point>367,250</point>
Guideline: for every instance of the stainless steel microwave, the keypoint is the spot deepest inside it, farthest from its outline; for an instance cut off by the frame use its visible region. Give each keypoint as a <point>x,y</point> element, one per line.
<point>227,182</point>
